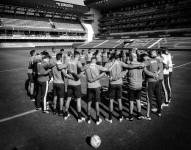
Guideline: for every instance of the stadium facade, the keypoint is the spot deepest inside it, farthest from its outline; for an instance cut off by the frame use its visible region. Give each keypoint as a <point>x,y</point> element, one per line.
<point>34,23</point>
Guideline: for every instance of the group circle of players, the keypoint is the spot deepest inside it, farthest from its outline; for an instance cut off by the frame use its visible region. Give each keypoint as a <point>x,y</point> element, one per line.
<point>148,71</point>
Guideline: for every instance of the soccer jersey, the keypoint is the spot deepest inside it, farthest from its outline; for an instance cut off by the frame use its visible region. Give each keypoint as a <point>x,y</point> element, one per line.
<point>57,74</point>
<point>74,67</point>
<point>166,61</point>
<point>153,66</point>
<point>98,57</point>
<point>104,57</point>
<point>43,74</point>
<point>170,63</point>
<point>92,72</point>
<point>89,57</point>
<point>135,79</point>
<point>161,76</point>
<point>82,58</point>
<point>115,72</point>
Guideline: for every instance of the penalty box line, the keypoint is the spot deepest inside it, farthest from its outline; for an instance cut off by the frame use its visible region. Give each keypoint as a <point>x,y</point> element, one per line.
<point>34,110</point>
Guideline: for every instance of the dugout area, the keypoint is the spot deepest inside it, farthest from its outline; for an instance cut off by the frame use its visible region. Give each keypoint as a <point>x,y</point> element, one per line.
<point>39,131</point>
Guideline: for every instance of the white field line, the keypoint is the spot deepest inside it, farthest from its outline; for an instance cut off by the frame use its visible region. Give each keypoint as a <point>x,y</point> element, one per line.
<point>15,69</point>
<point>18,115</point>
<point>101,43</point>
<point>182,65</point>
<point>155,43</point>
<point>33,111</point>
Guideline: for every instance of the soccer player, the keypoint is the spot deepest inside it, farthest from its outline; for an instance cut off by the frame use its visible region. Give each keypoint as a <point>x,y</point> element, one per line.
<point>135,80</point>
<point>89,56</point>
<point>82,58</point>
<point>152,70</point>
<point>93,75</point>
<point>58,83</point>
<point>42,82</point>
<point>31,74</point>
<point>99,57</point>
<point>115,68</point>
<point>53,54</point>
<point>74,86</point>
<point>104,57</point>
<point>166,82</point>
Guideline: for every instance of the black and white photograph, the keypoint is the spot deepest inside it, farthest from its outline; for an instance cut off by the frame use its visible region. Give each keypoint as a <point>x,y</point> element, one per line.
<point>95,74</point>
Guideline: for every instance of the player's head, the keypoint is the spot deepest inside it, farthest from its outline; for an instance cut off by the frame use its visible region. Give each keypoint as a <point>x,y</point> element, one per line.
<point>46,58</point>
<point>134,50</point>
<point>164,50</point>
<point>93,60</point>
<point>112,57</point>
<point>53,50</point>
<point>153,53</point>
<point>59,56</point>
<point>62,50</point>
<point>44,53</point>
<point>32,52</point>
<point>133,57</point>
<point>144,57</point>
<point>76,55</point>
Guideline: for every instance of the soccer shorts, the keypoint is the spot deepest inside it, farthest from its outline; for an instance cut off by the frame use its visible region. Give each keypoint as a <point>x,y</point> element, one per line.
<point>94,94</point>
<point>134,94</point>
<point>31,77</point>
<point>115,91</point>
<point>59,90</point>
<point>74,91</point>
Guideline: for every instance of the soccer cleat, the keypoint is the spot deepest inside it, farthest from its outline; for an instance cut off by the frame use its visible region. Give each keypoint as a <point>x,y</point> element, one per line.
<point>45,111</point>
<point>154,109</point>
<point>99,121</point>
<point>66,116</point>
<point>165,104</point>
<point>147,118</point>
<point>109,120</point>
<point>32,100</point>
<point>60,113</point>
<point>80,120</point>
<point>159,114</point>
<point>88,120</point>
<point>140,117</point>
<point>38,108</point>
<point>54,111</point>
<point>121,119</point>
<point>130,118</point>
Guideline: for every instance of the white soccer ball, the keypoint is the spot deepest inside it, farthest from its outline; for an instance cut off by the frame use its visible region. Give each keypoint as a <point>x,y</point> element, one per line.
<point>95,141</point>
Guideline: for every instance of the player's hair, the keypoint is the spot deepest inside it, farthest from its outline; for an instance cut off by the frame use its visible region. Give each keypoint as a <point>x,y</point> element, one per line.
<point>62,50</point>
<point>32,52</point>
<point>112,57</point>
<point>76,53</point>
<point>44,53</point>
<point>93,58</point>
<point>46,56</point>
<point>58,56</point>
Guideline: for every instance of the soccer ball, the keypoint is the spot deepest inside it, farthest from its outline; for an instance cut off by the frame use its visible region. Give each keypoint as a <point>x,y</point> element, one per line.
<point>95,141</point>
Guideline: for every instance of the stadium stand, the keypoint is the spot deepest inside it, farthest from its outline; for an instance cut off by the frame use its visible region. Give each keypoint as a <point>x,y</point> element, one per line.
<point>141,23</point>
<point>52,21</point>
<point>146,16</point>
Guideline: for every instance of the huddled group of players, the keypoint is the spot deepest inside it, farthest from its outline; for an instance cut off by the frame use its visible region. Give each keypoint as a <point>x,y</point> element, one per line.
<point>149,68</point>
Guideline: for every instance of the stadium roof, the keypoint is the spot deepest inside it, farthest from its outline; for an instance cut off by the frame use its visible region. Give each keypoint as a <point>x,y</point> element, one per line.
<point>71,5</point>
<point>107,4</point>
<point>76,2</point>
